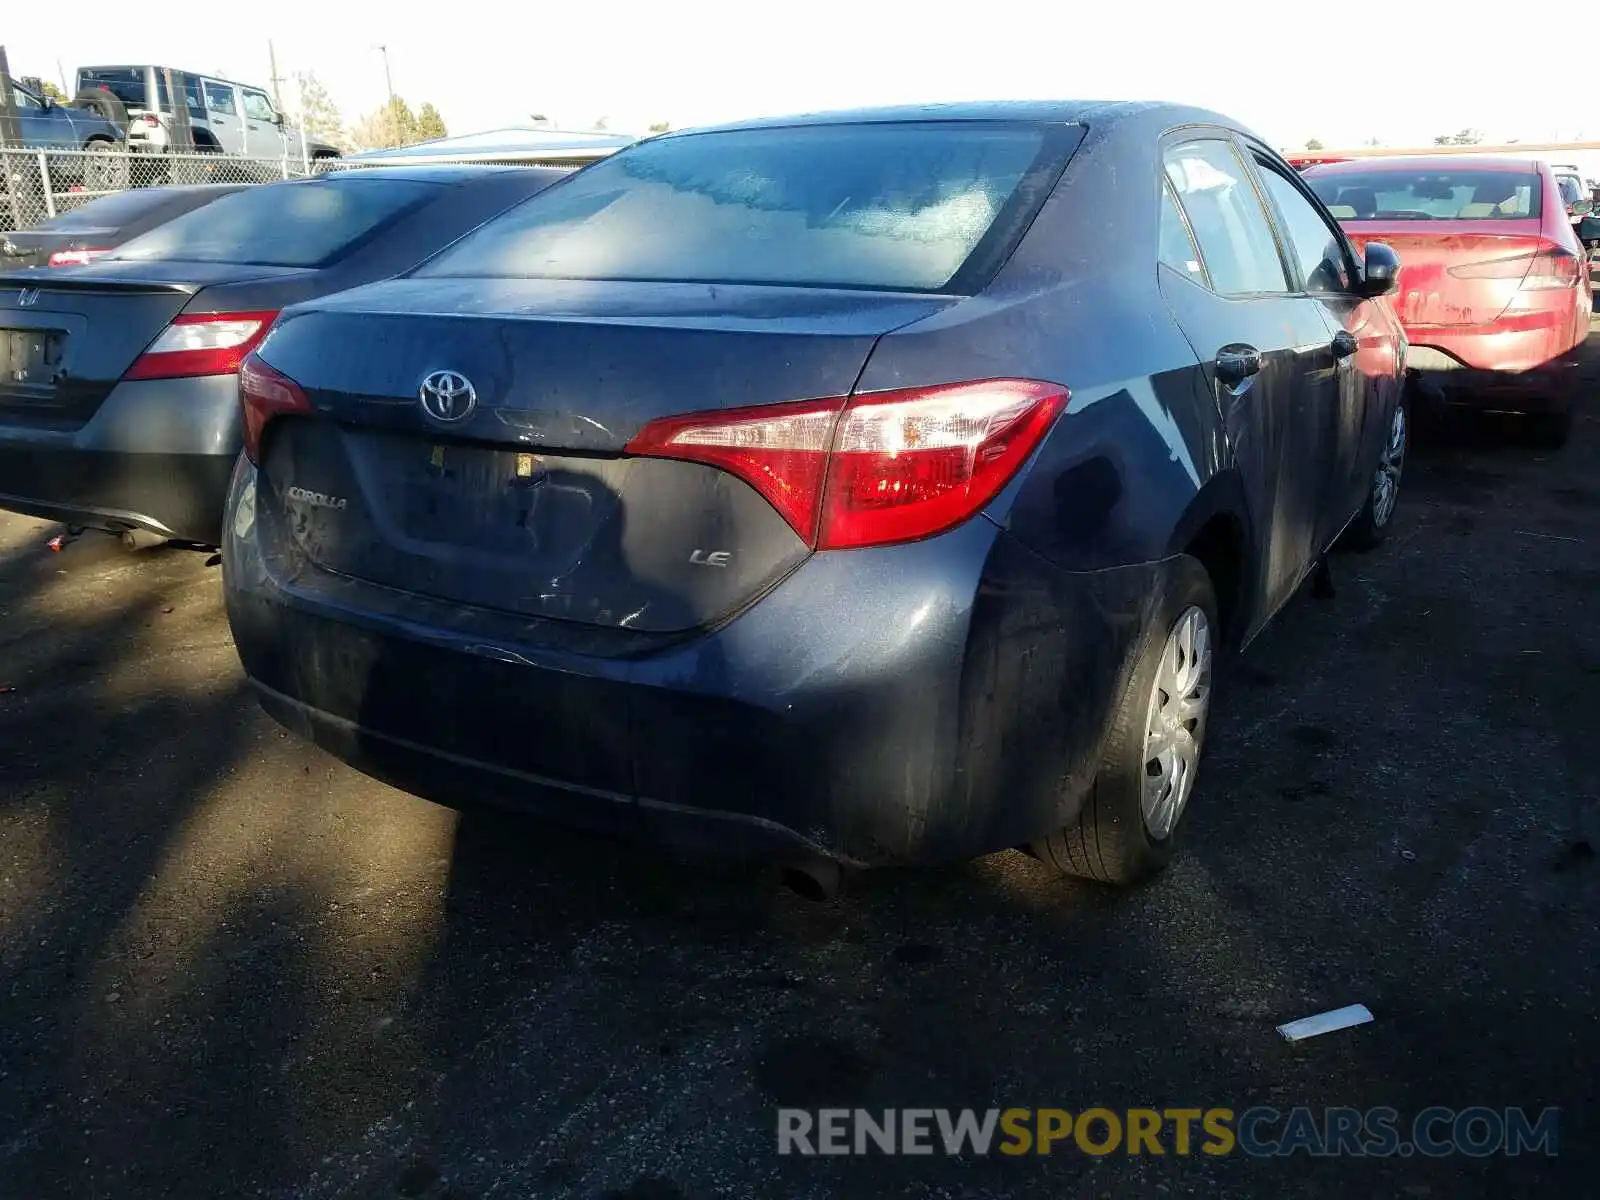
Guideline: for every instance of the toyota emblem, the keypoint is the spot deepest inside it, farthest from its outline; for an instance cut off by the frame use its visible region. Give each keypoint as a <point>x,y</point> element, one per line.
<point>448,396</point>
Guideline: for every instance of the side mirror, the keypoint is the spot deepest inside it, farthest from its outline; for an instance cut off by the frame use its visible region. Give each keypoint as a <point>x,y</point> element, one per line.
<point>277,117</point>
<point>1380,273</point>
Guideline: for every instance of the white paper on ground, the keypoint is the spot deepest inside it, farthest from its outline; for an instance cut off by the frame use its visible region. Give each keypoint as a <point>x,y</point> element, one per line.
<point>1328,1022</point>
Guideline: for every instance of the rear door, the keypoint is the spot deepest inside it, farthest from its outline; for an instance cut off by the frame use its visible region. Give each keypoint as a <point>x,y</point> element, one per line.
<point>1267,355</point>
<point>222,115</point>
<point>1362,333</point>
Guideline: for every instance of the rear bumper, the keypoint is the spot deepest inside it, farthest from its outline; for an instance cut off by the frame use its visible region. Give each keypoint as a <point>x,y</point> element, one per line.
<point>156,455</point>
<point>1552,386</point>
<point>917,703</point>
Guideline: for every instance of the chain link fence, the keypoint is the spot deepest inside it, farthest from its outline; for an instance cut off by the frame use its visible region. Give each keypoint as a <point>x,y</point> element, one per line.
<point>40,184</point>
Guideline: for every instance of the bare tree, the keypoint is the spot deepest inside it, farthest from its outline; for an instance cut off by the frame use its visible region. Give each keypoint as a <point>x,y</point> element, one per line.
<point>319,115</point>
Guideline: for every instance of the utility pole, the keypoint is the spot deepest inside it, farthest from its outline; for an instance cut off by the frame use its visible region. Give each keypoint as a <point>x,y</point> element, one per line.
<point>387,81</point>
<point>62,71</point>
<point>272,59</point>
<point>394,116</point>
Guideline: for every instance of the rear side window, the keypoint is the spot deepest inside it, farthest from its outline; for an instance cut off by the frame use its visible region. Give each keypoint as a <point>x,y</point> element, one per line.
<point>923,206</point>
<point>1225,213</point>
<point>1445,194</point>
<point>281,225</point>
<point>1177,246</point>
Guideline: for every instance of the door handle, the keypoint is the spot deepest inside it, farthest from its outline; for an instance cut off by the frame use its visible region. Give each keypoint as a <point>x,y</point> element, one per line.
<point>1344,344</point>
<point>1237,363</point>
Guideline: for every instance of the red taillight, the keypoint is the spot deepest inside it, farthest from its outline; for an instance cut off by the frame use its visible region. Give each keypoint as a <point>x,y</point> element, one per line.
<point>76,258</point>
<point>264,394</point>
<point>878,468</point>
<point>147,119</point>
<point>201,344</point>
<point>1541,270</point>
<point>1553,267</point>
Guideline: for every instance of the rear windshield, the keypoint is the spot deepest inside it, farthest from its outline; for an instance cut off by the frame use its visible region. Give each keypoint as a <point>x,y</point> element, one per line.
<point>281,225</point>
<point>900,207</point>
<point>1452,194</point>
<point>108,212</point>
<point>128,85</point>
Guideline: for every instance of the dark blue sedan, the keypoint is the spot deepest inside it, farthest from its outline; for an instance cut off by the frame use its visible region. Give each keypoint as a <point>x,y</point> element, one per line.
<point>870,487</point>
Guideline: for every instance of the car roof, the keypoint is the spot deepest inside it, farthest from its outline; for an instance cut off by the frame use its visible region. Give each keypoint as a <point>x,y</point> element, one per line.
<point>511,145</point>
<point>255,87</point>
<point>444,173</point>
<point>1422,162</point>
<point>1109,112</point>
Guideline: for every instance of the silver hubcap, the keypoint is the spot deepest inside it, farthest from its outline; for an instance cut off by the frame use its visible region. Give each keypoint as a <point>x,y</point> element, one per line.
<point>1386,483</point>
<point>1176,725</point>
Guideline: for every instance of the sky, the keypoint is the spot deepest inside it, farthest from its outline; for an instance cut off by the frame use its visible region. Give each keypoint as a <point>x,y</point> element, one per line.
<point>1291,71</point>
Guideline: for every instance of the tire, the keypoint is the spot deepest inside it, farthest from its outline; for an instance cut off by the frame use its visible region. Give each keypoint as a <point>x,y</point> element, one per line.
<point>1548,431</point>
<point>103,104</point>
<point>1373,522</point>
<point>1111,840</point>
<point>106,168</point>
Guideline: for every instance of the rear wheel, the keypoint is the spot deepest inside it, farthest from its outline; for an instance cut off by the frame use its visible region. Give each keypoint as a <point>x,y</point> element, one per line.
<point>1127,828</point>
<point>106,169</point>
<point>1550,430</point>
<point>1371,525</point>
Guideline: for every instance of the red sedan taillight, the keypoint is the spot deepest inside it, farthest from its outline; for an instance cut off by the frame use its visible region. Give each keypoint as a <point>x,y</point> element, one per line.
<point>76,258</point>
<point>263,395</point>
<point>201,344</point>
<point>1550,266</point>
<point>872,469</point>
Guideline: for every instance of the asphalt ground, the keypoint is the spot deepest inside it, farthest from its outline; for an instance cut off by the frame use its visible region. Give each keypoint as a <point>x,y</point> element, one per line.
<point>231,966</point>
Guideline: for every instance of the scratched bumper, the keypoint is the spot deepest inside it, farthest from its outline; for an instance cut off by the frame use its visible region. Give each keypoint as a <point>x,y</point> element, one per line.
<point>911,703</point>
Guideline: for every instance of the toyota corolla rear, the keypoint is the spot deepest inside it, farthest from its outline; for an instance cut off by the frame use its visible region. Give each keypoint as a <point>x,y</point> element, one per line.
<point>589,517</point>
<point>1493,294</point>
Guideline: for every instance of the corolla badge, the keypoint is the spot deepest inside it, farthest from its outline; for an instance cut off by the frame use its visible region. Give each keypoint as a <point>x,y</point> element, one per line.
<point>448,396</point>
<point>314,499</point>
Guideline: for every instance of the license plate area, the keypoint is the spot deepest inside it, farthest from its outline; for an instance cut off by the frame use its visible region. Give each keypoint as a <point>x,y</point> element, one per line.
<point>31,361</point>
<point>498,501</point>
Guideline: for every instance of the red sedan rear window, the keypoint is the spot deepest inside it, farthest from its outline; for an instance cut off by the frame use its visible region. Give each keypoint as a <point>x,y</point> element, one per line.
<point>1453,194</point>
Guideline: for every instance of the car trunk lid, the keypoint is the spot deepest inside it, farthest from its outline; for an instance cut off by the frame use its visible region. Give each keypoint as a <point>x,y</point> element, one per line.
<point>1455,272</point>
<point>526,503</point>
<point>68,336</point>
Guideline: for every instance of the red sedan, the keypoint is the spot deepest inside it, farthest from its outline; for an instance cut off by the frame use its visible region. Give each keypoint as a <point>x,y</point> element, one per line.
<point>1494,292</point>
